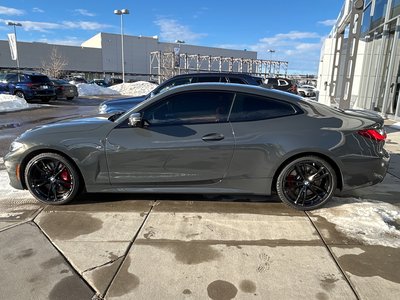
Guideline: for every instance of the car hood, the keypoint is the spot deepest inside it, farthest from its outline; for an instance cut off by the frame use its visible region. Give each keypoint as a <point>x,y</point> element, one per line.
<point>125,101</point>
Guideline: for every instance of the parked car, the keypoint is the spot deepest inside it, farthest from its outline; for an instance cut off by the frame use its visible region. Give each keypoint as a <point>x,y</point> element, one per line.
<point>205,138</point>
<point>114,81</point>
<point>121,105</point>
<point>306,91</point>
<point>282,84</point>
<point>76,80</point>
<point>27,85</point>
<point>64,89</point>
<point>99,82</point>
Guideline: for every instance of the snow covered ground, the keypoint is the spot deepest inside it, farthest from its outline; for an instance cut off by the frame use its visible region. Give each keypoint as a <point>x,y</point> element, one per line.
<point>138,88</point>
<point>368,221</point>
<point>12,103</point>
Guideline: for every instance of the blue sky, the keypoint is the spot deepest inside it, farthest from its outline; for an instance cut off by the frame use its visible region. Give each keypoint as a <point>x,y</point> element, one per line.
<point>294,29</point>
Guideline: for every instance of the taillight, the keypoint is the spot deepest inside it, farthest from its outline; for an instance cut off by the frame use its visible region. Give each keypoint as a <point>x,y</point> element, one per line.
<point>375,134</point>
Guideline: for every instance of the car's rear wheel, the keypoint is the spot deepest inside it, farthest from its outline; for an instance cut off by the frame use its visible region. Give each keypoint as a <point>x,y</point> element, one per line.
<point>52,179</point>
<point>20,94</point>
<point>46,99</point>
<point>306,183</point>
<point>70,98</point>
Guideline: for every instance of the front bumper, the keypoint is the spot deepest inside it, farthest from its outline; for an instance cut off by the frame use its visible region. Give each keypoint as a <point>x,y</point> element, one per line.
<point>13,169</point>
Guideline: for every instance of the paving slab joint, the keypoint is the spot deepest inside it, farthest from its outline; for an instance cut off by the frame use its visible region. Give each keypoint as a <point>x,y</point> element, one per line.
<point>128,249</point>
<point>334,258</point>
<point>102,265</point>
<point>63,256</point>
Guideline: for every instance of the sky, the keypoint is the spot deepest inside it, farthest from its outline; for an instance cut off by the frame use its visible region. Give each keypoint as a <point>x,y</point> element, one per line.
<point>294,29</point>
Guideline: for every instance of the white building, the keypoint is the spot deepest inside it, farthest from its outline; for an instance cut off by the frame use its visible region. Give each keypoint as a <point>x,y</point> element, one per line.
<point>360,60</point>
<point>101,54</point>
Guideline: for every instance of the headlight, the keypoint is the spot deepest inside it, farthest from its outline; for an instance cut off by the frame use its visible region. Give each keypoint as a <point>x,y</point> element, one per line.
<point>15,146</point>
<point>103,108</point>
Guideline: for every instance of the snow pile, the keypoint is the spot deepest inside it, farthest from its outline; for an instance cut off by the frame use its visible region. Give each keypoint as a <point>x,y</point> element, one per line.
<point>12,103</point>
<point>395,125</point>
<point>369,221</point>
<point>8,192</point>
<point>138,88</point>
<point>85,89</point>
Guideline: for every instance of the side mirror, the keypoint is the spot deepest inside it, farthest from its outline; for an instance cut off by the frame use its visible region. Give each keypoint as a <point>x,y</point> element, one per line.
<point>135,120</point>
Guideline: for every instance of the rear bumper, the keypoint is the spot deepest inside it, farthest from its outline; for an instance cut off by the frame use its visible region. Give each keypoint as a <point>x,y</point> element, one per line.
<point>361,171</point>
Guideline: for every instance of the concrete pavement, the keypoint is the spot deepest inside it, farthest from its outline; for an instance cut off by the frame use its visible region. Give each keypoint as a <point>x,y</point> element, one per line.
<point>147,247</point>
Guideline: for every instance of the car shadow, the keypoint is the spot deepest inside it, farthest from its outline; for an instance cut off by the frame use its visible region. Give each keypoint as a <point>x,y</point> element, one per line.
<point>101,198</point>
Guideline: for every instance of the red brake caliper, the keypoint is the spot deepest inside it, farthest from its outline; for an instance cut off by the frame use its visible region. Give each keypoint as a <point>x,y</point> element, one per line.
<point>64,175</point>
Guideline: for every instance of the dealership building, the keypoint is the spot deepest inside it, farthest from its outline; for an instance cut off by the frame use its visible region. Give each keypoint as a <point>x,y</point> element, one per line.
<point>100,56</point>
<point>360,60</point>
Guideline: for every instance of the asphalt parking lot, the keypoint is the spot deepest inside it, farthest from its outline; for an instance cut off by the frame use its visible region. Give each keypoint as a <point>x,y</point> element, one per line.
<point>198,247</point>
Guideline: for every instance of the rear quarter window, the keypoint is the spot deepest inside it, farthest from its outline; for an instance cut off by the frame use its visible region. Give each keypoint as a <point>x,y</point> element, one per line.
<point>253,108</point>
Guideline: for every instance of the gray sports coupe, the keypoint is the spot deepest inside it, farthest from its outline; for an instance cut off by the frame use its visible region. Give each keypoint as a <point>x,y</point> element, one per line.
<point>205,138</point>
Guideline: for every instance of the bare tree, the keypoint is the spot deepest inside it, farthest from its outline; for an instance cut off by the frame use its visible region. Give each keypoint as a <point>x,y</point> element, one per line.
<point>54,66</point>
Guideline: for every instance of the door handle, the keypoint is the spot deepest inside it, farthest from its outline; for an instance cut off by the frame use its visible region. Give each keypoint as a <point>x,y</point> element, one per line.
<point>213,137</point>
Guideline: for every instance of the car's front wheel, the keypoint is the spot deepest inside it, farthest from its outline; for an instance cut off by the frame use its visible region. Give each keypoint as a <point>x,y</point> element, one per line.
<point>52,179</point>
<point>306,183</point>
<point>70,98</point>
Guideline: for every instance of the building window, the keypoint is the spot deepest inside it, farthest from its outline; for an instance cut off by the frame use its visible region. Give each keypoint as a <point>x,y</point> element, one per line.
<point>379,13</point>
<point>366,21</point>
<point>395,9</point>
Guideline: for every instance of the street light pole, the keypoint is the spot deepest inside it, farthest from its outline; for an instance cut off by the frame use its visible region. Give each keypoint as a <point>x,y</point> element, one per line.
<point>14,24</point>
<point>122,12</point>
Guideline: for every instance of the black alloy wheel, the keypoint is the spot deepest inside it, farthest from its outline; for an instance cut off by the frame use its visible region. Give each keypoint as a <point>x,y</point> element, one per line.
<point>20,94</point>
<point>52,179</point>
<point>306,183</point>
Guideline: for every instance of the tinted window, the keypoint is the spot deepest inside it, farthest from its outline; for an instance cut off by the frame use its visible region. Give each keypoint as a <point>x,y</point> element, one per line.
<point>252,108</point>
<point>271,81</point>
<point>11,77</point>
<point>39,79</point>
<point>283,82</point>
<point>189,108</point>
<point>236,80</point>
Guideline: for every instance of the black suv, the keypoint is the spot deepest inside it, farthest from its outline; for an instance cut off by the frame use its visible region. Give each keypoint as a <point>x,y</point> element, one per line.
<point>282,84</point>
<point>121,105</point>
<point>27,85</point>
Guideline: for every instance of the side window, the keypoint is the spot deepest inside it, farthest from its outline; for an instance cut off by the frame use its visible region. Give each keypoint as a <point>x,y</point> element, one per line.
<point>253,108</point>
<point>24,78</point>
<point>11,77</point>
<point>190,108</point>
<point>271,81</point>
<point>236,80</point>
<point>282,82</point>
<point>208,79</point>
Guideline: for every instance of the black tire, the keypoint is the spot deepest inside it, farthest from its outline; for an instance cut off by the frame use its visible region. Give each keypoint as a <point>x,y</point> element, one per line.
<point>46,99</point>
<point>70,98</point>
<point>20,94</point>
<point>306,183</point>
<point>52,179</point>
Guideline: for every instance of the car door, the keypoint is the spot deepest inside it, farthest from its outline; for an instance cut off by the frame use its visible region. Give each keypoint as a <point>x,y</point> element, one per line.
<point>186,140</point>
